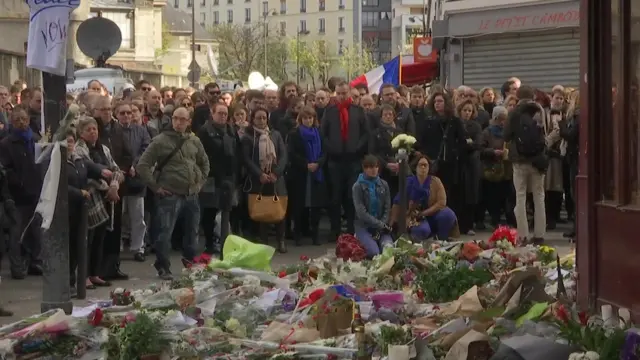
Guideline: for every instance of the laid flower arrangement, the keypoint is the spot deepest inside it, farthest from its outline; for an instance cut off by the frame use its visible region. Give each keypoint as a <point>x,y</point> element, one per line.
<point>121,297</point>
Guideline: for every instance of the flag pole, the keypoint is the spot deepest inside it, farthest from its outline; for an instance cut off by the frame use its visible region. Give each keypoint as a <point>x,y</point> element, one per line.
<point>400,69</point>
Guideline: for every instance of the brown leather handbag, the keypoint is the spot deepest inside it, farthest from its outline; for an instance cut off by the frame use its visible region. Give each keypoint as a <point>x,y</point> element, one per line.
<point>267,209</point>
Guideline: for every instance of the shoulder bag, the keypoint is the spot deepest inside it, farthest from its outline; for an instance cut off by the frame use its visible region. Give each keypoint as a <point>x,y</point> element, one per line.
<point>166,160</point>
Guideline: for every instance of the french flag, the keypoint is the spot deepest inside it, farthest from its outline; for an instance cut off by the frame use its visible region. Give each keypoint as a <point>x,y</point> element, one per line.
<point>388,73</point>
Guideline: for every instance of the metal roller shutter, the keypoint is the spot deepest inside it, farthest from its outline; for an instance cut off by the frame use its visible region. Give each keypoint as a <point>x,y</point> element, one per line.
<point>539,59</point>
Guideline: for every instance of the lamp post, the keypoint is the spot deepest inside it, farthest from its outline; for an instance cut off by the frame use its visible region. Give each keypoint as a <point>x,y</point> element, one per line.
<point>298,33</point>
<point>265,24</point>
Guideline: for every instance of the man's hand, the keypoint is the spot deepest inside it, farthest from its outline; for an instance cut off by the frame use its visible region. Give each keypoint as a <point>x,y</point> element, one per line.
<point>264,178</point>
<point>393,167</point>
<point>313,167</point>
<point>162,192</point>
<point>273,178</point>
<point>132,171</point>
<point>107,174</point>
<point>85,194</point>
<point>112,195</point>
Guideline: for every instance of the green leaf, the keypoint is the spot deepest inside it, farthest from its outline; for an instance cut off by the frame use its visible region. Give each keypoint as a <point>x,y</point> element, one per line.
<point>534,313</point>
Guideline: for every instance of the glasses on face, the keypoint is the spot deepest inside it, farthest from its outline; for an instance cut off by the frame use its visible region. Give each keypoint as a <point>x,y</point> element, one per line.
<point>423,165</point>
<point>104,109</point>
<point>187,104</point>
<point>125,112</point>
<point>214,93</point>
<point>222,113</point>
<point>145,88</point>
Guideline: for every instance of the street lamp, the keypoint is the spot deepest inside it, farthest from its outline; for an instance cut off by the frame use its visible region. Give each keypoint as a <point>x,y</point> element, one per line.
<point>426,14</point>
<point>298,33</point>
<point>265,5</point>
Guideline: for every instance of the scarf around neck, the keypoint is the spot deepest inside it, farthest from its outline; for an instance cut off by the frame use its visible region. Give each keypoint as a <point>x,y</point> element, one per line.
<point>343,110</point>
<point>496,130</point>
<point>313,147</point>
<point>26,136</point>
<point>266,149</point>
<point>374,201</point>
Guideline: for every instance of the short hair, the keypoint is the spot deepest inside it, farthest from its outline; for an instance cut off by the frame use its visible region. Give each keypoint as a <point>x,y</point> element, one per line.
<point>255,111</point>
<point>197,96</point>
<point>362,86</point>
<point>416,90</point>
<point>308,111</point>
<point>387,86</point>
<point>525,92</point>
<point>71,132</point>
<point>15,89</point>
<point>165,89</point>
<point>499,111</point>
<point>85,121</point>
<point>387,107</point>
<point>211,85</point>
<point>333,83</point>
<point>309,96</point>
<point>370,161</point>
<point>253,94</point>
<point>139,84</point>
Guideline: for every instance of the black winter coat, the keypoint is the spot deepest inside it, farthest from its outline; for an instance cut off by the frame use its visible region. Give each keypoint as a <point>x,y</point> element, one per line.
<point>356,145</point>
<point>298,175</point>
<point>23,174</point>
<point>79,171</point>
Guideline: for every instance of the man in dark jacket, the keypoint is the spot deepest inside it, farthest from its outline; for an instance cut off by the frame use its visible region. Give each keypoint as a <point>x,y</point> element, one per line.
<point>345,133</point>
<point>525,134</point>
<point>7,220</point>
<point>111,135</point>
<point>404,117</point>
<point>17,155</point>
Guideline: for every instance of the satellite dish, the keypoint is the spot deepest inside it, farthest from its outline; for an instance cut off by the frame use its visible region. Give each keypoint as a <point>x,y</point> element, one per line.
<point>99,38</point>
<point>256,81</point>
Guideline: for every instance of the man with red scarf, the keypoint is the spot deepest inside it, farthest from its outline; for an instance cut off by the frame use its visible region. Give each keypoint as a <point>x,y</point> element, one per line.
<point>345,133</point>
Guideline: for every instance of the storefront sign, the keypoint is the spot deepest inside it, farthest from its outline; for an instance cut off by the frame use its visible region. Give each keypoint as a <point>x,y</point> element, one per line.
<point>541,16</point>
<point>423,50</point>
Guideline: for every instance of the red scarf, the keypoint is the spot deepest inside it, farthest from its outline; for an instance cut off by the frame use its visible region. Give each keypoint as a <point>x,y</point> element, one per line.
<point>343,110</point>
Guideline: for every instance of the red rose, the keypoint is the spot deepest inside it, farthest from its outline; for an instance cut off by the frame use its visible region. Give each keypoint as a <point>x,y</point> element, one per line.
<point>304,258</point>
<point>420,252</point>
<point>96,318</point>
<point>282,274</point>
<point>420,294</point>
<point>562,314</point>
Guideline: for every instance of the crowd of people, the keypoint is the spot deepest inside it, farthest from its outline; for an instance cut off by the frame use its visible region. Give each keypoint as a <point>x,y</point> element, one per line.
<point>150,168</point>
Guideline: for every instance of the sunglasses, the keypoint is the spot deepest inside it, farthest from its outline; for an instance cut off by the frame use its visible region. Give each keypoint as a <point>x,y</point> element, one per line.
<point>145,88</point>
<point>125,112</point>
<point>187,104</point>
<point>213,93</point>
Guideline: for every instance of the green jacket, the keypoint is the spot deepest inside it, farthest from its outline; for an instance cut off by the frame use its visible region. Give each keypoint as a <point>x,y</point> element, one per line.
<point>184,173</point>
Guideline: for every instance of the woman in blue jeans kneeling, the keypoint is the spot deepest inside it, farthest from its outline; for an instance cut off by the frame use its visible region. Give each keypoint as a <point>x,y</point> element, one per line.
<point>428,205</point>
<point>372,202</point>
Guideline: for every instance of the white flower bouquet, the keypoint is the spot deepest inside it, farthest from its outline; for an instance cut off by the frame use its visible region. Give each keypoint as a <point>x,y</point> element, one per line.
<point>403,141</point>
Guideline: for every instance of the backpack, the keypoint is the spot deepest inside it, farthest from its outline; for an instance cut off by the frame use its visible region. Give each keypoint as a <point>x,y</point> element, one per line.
<point>529,137</point>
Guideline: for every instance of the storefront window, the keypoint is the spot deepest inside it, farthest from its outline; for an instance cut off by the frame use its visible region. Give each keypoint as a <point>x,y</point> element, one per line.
<point>607,180</point>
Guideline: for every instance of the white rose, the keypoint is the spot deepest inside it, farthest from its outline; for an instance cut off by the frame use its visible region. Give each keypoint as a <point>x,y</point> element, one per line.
<point>395,143</point>
<point>410,140</point>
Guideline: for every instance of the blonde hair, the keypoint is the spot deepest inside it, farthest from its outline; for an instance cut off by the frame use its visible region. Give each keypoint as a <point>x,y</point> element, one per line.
<point>464,103</point>
<point>509,99</point>
<point>573,99</point>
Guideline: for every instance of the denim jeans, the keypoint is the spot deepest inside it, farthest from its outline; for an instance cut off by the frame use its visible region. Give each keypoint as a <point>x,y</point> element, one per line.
<point>169,208</point>
<point>440,223</point>
<point>369,244</point>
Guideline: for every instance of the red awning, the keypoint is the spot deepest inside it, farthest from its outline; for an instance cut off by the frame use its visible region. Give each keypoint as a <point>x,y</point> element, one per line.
<point>418,73</point>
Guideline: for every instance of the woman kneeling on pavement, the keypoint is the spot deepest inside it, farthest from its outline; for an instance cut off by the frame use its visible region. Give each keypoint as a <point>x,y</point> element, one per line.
<point>428,212</point>
<point>372,203</point>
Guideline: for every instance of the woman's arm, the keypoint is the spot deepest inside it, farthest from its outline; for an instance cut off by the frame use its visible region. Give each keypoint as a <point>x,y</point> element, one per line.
<point>439,196</point>
<point>247,154</point>
<point>386,210</point>
<point>361,211</point>
<point>486,152</point>
<point>296,155</point>
<point>94,171</point>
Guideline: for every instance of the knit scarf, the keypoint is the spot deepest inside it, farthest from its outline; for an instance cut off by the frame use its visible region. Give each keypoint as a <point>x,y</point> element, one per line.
<point>419,192</point>
<point>496,130</point>
<point>371,184</point>
<point>266,149</point>
<point>313,147</point>
<point>343,110</point>
<point>27,136</point>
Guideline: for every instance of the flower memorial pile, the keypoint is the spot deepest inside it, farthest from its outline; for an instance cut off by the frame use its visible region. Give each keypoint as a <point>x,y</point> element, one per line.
<point>431,301</point>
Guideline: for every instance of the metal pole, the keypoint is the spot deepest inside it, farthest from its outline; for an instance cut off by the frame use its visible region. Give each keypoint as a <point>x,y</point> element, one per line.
<point>298,57</point>
<point>266,28</point>
<point>424,18</point>
<point>227,198</point>
<point>55,241</point>
<point>193,36</point>
<point>427,22</point>
<point>81,276</point>
<point>402,158</point>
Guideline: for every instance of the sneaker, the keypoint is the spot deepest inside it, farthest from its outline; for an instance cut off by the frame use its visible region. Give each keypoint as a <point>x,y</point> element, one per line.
<point>165,274</point>
<point>471,233</point>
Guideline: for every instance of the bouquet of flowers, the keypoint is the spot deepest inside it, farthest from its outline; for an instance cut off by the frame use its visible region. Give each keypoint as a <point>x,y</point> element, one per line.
<point>503,233</point>
<point>403,141</point>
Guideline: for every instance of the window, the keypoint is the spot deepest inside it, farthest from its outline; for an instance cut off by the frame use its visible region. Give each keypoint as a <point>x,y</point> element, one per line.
<point>125,23</point>
<point>370,19</point>
<point>247,1</point>
<point>203,18</point>
<point>247,15</point>
<point>230,16</point>
<point>283,28</point>
<point>202,3</point>
<point>283,6</point>
<point>176,3</point>
<point>321,5</point>
<point>341,5</point>
<point>385,15</point>
<point>189,3</point>
<point>230,2</point>
<point>340,47</point>
<point>321,25</point>
<point>303,26</point>
<point>216,17</point>
<point>303,6</point>
<point>370,3</point>
<point>341,24</point>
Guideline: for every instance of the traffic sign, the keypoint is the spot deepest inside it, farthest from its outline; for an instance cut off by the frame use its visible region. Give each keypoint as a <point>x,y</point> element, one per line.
<point>194,75</point>
<point>194,65</point>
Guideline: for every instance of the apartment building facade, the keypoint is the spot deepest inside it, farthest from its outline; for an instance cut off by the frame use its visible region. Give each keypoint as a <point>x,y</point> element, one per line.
<point>411,18</point>
<point>213,12</point>
<point>376,17</point>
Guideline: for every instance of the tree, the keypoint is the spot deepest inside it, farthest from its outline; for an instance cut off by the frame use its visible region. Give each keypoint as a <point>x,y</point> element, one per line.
<point>314,57</point>
<point>241,50</point>
<point>355,62</point>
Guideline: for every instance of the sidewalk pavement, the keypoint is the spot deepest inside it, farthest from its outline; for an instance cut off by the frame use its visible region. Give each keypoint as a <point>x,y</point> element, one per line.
<point>23,296</point>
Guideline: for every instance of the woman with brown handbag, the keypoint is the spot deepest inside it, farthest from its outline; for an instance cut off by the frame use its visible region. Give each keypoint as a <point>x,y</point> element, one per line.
<point>265,159</point>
